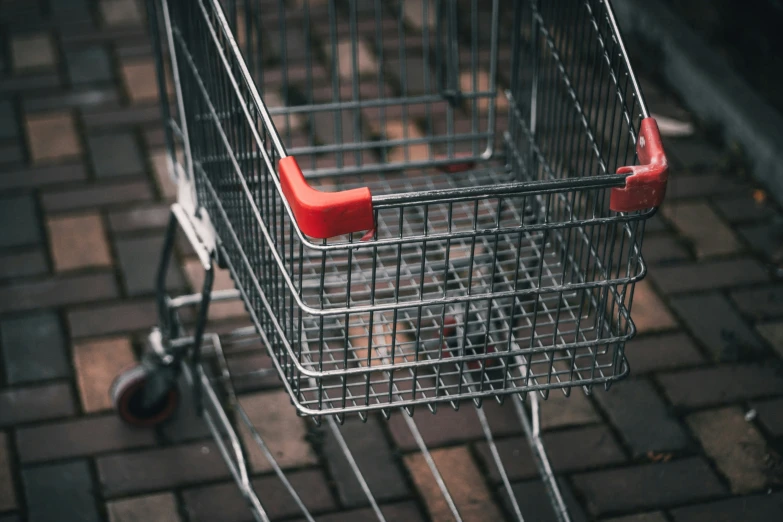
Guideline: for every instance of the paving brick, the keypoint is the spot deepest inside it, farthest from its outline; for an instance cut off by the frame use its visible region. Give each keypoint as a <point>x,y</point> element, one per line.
<point>97,364</point>
<point>115,155</point>
<point>770,414</point>
<point>154,139</point>
<point>89,65</point>
<point>140,218</point>
<point>78,242</point>
<point>744,208</point>
<point>760,303</point>
<point>534,503</point>
<point>83,96</point>
<point>693,152</point>
<point>224,502</point>
<point>662,352</point>
<point>217,502</point>
<point>19,221</point>
<point>656,225</point>
<point>463,480</point>
<point>33,348</point>
<point>756,508</point>
<point>649,312</point>
<point>111,117</point>
<point>765,238</point>
<point>449,426</point>
<point>139,258</point>
<point>21,264</point>
<point>415,14</point>
<point>114,318</point>
<point>120,12</point>
<point>186,252</point>
<point>365,59</point>
<point>568,450</point>
<point>32,52</point>
<point>702,185</point>
<point>281,429</point>
<point>708,275</point>
<point>59,291</point>
<point>70,10</point>
<point>238,364</point>
<point>140,80</point>
<point>185,424</point>
<point>407,511</point>
<point>733,339</point>
<point>96,195</point>
<point>8,124</point>
<point>721,384</point>
<point>659,249</point>
<point>324,124</point>
<point>641,418</point>
<point>35,177</point>
<point>656,516</point>
<point>738,450</point>
<point>60,492</point>
<point>194,272</point>
<point>166,185</point>
<point>160,508</point>
<point>7,489</point>
<point>559,411</point>
<point>160,468</point>
<point>773,334</point>
<point>702,226</point>
<point>648,486</point>
<point>375,459</point>
<point>79,437</point>
<point>52,136</point>
<point>396,130</point>
<point>11,154</point>
<point>30,82</point>
<point>34,403</point>
<point>284,123</point>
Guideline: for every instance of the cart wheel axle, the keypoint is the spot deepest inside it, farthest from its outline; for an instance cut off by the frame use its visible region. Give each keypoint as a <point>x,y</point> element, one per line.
<point>128,394</point>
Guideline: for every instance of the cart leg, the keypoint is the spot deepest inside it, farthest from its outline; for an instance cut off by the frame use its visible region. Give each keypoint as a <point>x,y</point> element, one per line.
<point>198,335</point>
<point>532,427</point>
<point>165,314</point>
<point>159,339</point>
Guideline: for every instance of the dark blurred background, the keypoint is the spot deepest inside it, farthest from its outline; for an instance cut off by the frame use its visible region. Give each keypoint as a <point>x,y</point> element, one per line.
<point>747,34</point>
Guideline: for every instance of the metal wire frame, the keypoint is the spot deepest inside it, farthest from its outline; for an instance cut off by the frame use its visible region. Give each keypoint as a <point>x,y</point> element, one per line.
<point>235,432</point>
<point>520,254</point>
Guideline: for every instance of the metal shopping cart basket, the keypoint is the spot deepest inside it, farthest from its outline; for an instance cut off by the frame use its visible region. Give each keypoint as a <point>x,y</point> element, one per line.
<point>420,203</point>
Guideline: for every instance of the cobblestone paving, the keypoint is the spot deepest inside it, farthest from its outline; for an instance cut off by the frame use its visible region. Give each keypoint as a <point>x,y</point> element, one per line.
<point>694,435</point>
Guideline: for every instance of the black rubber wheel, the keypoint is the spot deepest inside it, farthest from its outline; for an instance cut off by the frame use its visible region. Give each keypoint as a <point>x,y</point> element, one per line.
<point>127,397</point>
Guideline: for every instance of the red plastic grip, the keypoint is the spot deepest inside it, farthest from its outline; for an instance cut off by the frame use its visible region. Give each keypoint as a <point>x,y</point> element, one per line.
<point>324,214</point>
<point>646,185</point>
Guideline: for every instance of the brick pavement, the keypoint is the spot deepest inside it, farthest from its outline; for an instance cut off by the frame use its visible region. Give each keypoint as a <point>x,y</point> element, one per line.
<point>694,435</point>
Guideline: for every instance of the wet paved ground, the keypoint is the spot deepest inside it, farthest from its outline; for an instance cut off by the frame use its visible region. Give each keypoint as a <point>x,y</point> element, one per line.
<point>694,435</point>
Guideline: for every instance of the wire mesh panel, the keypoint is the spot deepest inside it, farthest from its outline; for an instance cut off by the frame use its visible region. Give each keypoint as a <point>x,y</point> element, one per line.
<point>488,134</point>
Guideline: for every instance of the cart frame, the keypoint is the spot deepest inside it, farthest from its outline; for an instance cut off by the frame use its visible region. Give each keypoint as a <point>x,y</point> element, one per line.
<point>470,348</point>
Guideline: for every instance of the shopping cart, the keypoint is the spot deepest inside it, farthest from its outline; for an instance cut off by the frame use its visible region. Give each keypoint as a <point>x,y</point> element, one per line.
<point>419,203</point>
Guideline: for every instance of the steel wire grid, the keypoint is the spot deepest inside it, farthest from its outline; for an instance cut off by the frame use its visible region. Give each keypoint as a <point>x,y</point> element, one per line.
<point>495,266</point>
<point>231,372</point>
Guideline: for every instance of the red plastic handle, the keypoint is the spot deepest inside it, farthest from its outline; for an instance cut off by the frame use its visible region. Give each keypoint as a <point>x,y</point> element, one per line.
<point>324,214</point>
<point>646,185</point>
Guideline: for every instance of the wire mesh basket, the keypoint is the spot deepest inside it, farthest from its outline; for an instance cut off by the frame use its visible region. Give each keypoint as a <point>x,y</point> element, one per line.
<point>420,201</point>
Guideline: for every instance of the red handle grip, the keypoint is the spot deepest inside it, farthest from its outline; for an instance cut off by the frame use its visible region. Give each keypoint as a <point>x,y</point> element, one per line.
<point>646,185</point>
<point>324,214</point>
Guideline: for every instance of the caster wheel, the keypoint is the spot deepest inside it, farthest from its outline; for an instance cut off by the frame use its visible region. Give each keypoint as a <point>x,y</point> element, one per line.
<point>127,396</point>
